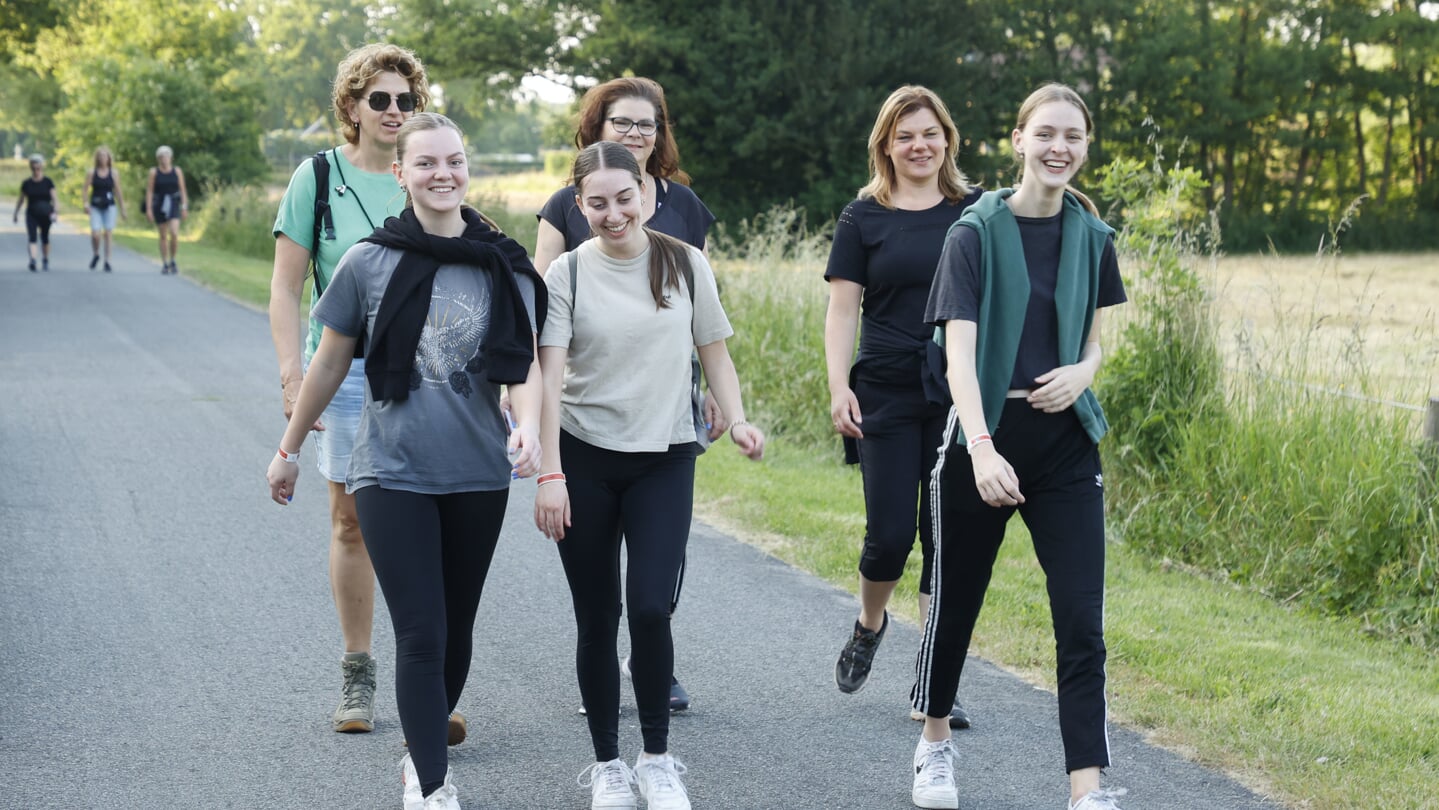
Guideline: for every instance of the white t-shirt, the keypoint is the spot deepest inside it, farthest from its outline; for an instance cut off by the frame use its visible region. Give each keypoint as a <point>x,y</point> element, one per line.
<point>627,380</point>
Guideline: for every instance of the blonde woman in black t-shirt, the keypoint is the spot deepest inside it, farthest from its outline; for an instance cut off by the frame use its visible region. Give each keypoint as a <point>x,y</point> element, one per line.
<point>886,246</point>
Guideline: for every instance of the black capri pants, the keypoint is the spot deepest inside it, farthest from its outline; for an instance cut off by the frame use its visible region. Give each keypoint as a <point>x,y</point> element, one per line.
<point>1059,475</point>
<point>37,225</point>
<point>902,434</point>
<point>646,501</point>
<point>431,554</point>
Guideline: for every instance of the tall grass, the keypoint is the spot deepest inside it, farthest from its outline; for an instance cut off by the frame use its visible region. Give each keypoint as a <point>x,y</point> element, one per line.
<point>239,219</point>
<point>1307,495</point>
<point>771,275</point>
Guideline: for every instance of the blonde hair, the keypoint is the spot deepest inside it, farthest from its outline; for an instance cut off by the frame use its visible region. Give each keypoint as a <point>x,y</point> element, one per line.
<point>361,66</point>
<point>424,122</point>
<point>164,150</point>
<point>903,102</point>
<point>1052,92</point>
<point>109,157</point>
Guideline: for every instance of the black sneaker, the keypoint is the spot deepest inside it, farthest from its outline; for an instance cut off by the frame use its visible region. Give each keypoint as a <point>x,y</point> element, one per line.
<point>679,698</point>
<point>45,265</point>
<point>107,267</point>
<point>32,265</point>
<point>958,717</point>
<point>94,260</point>
<point>852,669</point>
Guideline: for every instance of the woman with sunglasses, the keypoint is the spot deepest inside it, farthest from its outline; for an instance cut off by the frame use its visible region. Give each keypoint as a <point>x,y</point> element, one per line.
<point>377,87</point>
<point>632,112</point>
<point>447,309</point>
<point>169,203</point>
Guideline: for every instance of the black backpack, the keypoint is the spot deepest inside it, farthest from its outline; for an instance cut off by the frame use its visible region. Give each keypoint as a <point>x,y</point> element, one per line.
<point>325,224</point>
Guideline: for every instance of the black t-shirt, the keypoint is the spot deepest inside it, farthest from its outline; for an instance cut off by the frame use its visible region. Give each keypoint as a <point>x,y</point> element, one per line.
<point>893,254</point>
<point>958,287</point>
<point>678,213</point>
<point>37,195</point>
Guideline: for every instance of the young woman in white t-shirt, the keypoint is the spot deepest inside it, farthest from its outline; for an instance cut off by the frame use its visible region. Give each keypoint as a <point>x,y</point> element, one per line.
<point>619,453</point>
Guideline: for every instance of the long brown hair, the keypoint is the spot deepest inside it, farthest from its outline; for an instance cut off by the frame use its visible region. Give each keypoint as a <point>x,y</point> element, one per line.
<point>902,102</point>
<point>1054,91</point>
<point>665,159</point>
<point>666,252</point>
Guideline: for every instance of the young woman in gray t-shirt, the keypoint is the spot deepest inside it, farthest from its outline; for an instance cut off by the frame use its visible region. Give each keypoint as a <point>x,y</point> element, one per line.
<point>440,297</point>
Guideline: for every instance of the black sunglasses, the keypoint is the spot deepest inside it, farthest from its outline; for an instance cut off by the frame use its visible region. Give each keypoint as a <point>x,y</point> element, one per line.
<point>380,101</point>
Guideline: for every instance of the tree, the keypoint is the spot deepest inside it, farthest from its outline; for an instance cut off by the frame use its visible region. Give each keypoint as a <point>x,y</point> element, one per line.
<point>774,101</point>
<point>140,73</point>
<point>300,42</point>
<point>496,42</point>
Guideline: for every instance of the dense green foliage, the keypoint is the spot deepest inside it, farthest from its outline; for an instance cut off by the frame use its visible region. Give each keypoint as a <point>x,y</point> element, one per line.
<point>1288,109</point>
<point>140,73</point>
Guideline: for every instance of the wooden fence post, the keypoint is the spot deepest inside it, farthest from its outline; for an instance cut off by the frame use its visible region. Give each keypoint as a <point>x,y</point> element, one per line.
<point>1431,422</point>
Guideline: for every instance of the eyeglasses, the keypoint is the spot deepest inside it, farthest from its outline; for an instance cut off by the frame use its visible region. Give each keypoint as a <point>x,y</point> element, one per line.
<point>647,127</point>
<point>380,101</point>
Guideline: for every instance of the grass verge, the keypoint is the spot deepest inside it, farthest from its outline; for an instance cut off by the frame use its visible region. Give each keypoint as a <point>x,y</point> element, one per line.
<point>1311,711</point>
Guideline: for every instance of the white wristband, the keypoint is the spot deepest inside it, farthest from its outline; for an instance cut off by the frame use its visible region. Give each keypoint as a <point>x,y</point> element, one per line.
<point>292,458</point>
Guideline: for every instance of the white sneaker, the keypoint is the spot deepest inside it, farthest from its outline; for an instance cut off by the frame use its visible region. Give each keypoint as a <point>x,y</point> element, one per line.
<point>444,798</point>
<point>934,775</point>
<point>611,785</point>
<point>1098,800</point>
<point>414,799</point>
<point>659,780</point>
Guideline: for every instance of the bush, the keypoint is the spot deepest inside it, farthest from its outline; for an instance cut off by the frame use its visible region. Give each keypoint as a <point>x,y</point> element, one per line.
<point>240,219</point>
<point>1164,371</point>
<point>1311,497</point>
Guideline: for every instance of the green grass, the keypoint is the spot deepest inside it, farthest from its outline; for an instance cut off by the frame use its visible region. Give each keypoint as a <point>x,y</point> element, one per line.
<point>241,278</point>
<point>1312,711</point>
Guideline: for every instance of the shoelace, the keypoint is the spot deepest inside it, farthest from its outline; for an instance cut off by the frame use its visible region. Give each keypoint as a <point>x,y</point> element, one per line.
<point>615,776</point>
<point>1103,799</point>
<point>663,775</point>
<point>938,763</point>
<point>358,687</point>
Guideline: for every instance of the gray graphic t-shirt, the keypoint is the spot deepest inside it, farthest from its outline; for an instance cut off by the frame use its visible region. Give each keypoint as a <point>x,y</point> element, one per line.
<point>449,435</point>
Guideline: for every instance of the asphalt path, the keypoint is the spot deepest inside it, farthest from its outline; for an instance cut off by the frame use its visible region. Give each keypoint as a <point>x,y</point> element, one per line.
<point>167,638</point>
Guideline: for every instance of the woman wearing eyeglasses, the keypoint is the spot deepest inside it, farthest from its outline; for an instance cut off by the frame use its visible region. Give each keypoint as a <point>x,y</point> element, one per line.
<point>632,112</point>
<point>377,87</point>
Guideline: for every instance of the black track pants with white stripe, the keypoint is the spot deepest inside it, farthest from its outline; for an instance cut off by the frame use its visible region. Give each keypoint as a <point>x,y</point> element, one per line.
<point>1060,477</point>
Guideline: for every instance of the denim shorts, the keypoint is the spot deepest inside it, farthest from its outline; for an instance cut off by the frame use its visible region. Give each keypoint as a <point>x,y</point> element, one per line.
<point>341,419</point>
<point>103,219</point>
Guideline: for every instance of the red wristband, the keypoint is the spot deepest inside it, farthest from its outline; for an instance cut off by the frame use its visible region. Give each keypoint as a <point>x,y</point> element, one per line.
<point>548,477</point>
<point>293,458</point>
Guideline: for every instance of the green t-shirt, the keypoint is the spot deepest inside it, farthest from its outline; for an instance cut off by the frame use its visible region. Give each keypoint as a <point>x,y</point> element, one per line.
<point>369,198</point>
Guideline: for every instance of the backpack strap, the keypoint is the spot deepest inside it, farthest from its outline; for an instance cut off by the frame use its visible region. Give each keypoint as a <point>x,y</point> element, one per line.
<point>323,221</point>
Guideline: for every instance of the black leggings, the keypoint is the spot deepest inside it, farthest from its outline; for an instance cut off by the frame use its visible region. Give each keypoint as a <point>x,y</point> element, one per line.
<point>646,499</point>
<point>1059,475</point>
<point>37,226</point>
<point>431,554</point>
<point>902,434</point>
